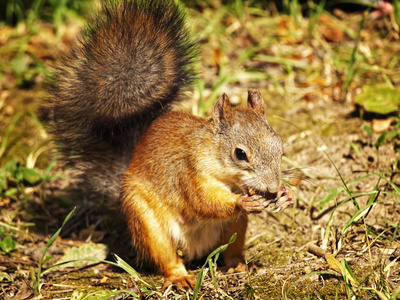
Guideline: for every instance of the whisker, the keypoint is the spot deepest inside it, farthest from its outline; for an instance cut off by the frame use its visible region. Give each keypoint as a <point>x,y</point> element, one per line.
<point>296,169</point>
<point>315,171</point>
<point>314,184</point>
<point>286,146</point>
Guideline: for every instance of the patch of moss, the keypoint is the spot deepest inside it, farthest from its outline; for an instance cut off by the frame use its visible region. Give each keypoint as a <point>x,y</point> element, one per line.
<point>271,286</point>
<point>283,284</point>
<point>273,255</point>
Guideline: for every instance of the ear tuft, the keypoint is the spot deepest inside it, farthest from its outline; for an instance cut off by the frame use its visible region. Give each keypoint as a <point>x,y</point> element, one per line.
<point>255,101</point>
<point>222,113</point>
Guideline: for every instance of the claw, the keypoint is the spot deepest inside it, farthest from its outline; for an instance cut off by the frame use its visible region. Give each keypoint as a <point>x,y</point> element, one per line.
<point>284,198</point>
<point>255,203</point>
<point>182,282</point>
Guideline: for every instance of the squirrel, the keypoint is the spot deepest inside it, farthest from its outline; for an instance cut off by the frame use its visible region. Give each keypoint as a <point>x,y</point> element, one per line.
<point>184,182</point>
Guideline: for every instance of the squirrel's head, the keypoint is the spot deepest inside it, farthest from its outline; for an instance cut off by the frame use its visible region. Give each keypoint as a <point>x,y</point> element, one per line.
<point>251,151</point>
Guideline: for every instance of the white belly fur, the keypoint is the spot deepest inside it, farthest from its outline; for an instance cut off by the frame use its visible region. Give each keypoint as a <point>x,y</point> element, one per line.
<point>199,239</point>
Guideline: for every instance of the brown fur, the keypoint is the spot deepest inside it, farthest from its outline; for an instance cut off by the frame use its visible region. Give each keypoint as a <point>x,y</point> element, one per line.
<point>186,187</point>
<point>183,180</point>
<point>128,67</point>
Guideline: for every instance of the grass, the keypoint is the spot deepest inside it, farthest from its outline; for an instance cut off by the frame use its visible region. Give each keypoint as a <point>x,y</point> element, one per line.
<point>352,62</point>
<point>44,258</point>
<point>284,54</point>
<point>211,261</point>
<point>30,12</point>
<point>355,288</point>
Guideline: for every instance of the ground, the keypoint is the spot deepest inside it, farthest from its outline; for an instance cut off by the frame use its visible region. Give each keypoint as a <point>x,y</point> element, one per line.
<point>340,240</point>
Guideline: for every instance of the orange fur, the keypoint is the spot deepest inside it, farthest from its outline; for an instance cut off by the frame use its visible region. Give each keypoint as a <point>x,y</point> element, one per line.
<point>181,190</point>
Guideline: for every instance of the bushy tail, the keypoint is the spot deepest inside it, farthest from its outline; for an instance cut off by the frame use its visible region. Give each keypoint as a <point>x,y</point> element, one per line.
<point>128,67</point>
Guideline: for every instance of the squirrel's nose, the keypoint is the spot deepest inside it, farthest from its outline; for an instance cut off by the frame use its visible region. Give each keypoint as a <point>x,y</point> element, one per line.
<point>274,187</point>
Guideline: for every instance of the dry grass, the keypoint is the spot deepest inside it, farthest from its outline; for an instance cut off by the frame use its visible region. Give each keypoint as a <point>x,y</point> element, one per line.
<point>309,70</point>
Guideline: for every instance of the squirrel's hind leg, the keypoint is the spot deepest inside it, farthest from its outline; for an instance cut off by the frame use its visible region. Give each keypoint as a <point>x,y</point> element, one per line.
<point>151,238</point>
<point>233,255</point>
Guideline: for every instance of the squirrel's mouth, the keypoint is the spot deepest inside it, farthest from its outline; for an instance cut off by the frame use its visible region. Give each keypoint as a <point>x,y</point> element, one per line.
<point>282,199</point>
<point>265,194</point>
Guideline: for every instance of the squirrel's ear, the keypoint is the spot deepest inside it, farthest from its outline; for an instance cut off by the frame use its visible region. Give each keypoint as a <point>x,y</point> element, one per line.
<point>222,110</point>
<point>255,101</point>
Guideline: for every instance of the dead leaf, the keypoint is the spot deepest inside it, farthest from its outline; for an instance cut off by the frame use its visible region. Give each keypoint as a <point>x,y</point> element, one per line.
<point>307,270</point>
<point>379,125</point>
<point>334,264</point>
<point>216,57</point>
<point>87,254</point>
<point>332,34</point>
<point>288,32</point>
<point>330,30</point>
<point>25,291</point>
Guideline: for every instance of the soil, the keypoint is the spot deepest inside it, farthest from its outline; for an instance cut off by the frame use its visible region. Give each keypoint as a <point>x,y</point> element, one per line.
<point>346,188</point>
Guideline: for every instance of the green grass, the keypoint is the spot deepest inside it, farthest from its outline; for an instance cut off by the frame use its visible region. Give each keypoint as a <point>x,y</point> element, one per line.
<point>36,278</point>
<point>29,12</point>
<point>358,219</point>
<point>284,55</point>
<point>211,262</point>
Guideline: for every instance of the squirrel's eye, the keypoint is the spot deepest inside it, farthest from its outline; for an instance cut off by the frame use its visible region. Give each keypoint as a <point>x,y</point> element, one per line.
<point>240,154</point>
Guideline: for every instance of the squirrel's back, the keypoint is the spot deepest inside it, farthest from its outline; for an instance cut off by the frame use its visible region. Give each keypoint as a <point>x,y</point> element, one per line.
<point>128,67</point>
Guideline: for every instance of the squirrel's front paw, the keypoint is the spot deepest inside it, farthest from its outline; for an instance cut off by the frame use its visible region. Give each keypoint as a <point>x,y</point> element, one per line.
<point>285,198</point>
<point>254,203</point>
